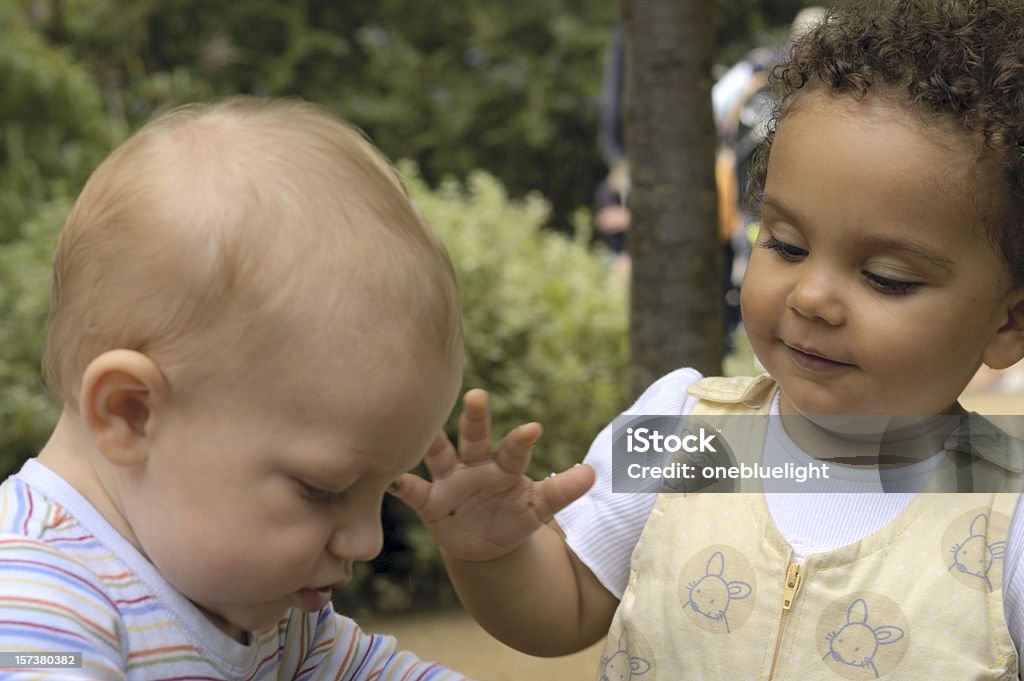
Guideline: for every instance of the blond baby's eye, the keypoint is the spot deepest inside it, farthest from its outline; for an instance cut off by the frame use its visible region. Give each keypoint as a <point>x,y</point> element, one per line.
<point>320,496</point>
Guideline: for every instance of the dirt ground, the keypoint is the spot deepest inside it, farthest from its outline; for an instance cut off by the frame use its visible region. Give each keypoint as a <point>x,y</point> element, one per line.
<point>455,640</point>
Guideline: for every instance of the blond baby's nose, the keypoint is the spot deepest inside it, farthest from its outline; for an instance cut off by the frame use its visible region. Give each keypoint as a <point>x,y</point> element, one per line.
<point>358,539</point>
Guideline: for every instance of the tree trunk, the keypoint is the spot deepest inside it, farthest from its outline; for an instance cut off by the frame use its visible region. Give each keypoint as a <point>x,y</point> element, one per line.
<point>677,313</point>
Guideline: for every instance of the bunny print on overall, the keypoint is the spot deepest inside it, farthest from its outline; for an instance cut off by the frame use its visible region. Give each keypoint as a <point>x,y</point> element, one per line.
<point>714,593</point>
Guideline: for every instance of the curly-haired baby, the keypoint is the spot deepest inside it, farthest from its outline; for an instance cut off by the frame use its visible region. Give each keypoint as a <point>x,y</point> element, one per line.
<point>888,268</point>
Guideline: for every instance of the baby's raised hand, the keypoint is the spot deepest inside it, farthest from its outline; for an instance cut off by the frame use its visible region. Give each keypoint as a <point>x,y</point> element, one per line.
<point>480,505</point>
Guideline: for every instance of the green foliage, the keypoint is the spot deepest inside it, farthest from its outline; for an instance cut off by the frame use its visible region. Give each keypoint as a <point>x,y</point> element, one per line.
<point>453,84</point>
<point>545,322</point>
<point>545,333</point>
<point>520,82</point>
<point>26,414</point>
<point>53,132</point>
<point>53,129</point>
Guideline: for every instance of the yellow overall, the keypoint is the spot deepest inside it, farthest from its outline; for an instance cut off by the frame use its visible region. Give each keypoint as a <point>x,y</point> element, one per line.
<point>714,594</point>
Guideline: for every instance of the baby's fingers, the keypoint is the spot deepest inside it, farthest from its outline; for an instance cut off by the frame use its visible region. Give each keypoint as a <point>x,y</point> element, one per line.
<point>475,428</point>
<point>441,458</point>
<point>514,451</point>
<point>411,489</point>
<point>558,491</point>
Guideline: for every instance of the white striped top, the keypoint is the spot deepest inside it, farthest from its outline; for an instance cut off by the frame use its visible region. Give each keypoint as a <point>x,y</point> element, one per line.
<point>70,583</point>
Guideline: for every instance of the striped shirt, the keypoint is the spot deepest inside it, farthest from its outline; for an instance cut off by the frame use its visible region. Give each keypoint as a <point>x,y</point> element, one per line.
<point>69,582</point>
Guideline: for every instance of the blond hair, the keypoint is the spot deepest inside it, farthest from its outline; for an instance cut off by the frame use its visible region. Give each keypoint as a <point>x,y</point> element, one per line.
<point>214,218</point>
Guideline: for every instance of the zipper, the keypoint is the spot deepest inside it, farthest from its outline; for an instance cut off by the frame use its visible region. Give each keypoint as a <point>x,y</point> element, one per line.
<point>793,575</point>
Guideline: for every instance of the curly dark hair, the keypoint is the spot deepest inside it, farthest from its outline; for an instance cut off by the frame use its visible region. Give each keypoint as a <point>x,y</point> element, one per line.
<point>953,60</point>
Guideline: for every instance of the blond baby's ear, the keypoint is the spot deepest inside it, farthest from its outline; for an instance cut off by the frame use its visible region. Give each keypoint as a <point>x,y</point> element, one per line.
<point>120,390</point>
<point>1007,348</point>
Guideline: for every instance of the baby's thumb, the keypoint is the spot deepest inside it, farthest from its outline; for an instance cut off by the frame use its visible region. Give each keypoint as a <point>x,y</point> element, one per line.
<point>412,490</point>
<point>558,491</point>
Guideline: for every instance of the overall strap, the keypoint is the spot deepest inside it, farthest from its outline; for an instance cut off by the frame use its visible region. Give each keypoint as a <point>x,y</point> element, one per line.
<point>737,408</point>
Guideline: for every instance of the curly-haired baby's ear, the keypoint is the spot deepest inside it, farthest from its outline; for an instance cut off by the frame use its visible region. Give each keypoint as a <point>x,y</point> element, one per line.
<point>1007,347</point>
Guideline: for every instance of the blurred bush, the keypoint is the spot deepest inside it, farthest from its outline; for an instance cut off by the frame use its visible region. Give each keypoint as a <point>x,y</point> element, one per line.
<point>545,330</point>
<point>53,130</point>
<point>53,126</point>
<point>545,320</point>
<point>26,414</point>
